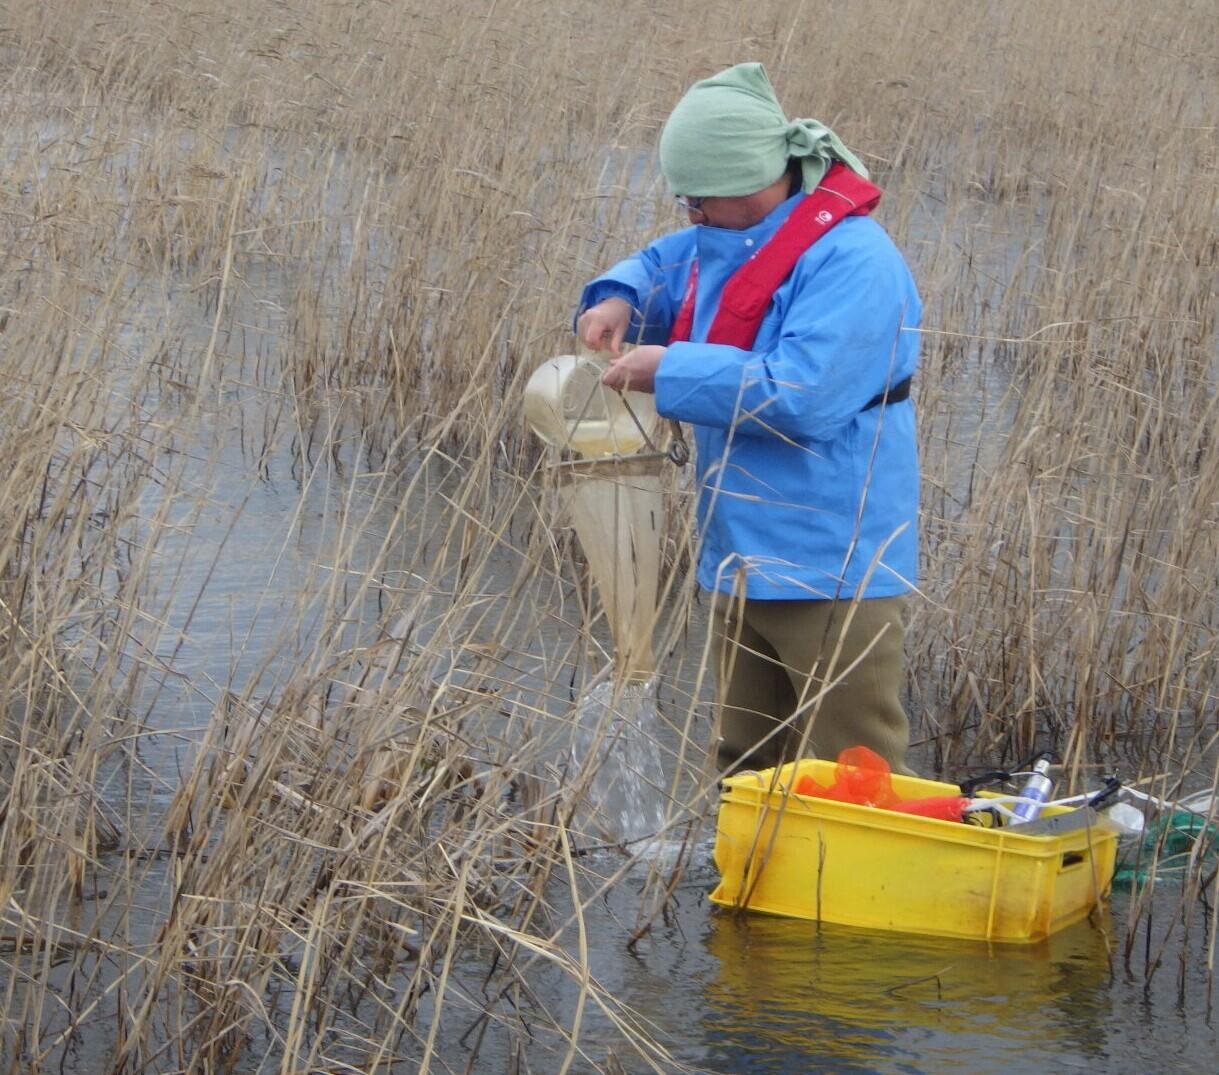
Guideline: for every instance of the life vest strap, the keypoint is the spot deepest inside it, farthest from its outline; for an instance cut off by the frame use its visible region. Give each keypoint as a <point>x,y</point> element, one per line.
<point>749,291</point>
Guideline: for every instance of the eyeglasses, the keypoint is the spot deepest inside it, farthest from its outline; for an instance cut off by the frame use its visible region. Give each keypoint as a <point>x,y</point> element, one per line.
<point>689,205</point>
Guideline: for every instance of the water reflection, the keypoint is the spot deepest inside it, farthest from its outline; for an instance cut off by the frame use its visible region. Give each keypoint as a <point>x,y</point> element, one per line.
<point>783,995</point>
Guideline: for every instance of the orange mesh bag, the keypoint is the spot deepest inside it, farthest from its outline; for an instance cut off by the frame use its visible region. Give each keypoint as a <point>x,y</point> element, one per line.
<point>940,807</point>
<point>862,777</point>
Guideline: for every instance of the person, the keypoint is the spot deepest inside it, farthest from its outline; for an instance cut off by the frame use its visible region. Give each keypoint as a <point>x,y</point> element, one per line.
<point>781,326</point>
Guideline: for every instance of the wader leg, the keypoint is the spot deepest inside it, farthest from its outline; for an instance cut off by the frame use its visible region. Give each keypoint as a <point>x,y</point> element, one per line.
<point>865,707</point>
<point>755,691</point>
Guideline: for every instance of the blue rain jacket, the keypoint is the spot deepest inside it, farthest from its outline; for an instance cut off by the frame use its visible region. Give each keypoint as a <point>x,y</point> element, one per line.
<point>812,495</point>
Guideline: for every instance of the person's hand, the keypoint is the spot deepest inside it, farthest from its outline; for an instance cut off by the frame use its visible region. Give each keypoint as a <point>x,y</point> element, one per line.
<point>636,370</point>
<point>605,322</point>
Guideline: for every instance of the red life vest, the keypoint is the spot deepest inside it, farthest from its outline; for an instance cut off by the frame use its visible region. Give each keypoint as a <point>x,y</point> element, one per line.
<point>747,295</point>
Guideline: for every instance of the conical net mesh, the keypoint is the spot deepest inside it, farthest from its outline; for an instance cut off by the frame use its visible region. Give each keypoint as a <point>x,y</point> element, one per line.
<point>617,512</point>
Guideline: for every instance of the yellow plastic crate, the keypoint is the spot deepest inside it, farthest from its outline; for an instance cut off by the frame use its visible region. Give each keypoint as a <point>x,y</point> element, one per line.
<point>859,866</point>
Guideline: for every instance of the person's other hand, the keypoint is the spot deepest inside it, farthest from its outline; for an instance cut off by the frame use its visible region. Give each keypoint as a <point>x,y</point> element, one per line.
<point>604,323</point>
<point>636,370</point>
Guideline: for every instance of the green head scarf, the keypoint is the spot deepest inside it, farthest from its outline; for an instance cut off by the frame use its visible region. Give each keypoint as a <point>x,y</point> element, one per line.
<point>728,137</point>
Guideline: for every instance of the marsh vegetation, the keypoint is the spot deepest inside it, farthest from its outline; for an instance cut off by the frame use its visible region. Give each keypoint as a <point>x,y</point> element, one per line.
<point>291,637</point>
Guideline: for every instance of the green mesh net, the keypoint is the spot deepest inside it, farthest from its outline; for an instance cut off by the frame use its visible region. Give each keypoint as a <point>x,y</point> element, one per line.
<point>1169,848</point>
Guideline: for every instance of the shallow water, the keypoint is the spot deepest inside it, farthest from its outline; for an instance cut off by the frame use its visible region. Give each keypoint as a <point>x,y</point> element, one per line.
<point>268,538</point>
<point>722,993</point>
<point>754,993</point>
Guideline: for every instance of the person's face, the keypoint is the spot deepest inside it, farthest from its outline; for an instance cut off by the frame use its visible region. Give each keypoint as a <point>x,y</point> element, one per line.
<point>735,213</point>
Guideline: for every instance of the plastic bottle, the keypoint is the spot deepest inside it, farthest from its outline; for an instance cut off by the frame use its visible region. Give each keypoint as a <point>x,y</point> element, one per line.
<point>1125,818</point>
<point>1035,792</point>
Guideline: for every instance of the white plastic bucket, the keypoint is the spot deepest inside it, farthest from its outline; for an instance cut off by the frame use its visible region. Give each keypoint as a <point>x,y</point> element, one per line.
<point>568,407</point>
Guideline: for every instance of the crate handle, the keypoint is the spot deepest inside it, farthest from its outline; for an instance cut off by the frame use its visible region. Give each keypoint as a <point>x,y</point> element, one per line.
<point>1071,859</point>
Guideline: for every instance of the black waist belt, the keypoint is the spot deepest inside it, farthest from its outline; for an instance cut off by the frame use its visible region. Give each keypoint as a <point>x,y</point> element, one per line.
<point>893,394</point>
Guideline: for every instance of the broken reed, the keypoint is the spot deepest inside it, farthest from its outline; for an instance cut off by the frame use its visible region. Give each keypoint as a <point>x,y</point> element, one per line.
<point>371,221</point>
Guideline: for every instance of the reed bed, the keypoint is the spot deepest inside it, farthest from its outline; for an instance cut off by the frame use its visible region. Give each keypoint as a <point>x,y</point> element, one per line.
<point>272,275</point>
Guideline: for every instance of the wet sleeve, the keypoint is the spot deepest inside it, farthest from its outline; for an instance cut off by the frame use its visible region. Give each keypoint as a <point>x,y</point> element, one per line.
<point>840,343</point>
